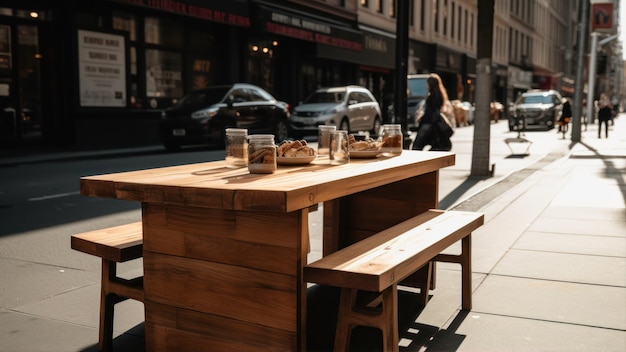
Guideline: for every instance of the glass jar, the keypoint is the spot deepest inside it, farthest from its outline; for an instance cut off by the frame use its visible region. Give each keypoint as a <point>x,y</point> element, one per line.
<point>339,152</point>
<point>392,140</point>
<point>323,139</point>
<point>261,154</point>
<point>236,147</point>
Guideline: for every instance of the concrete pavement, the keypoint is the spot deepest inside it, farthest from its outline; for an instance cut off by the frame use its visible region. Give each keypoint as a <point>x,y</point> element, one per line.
<point>549,265</point>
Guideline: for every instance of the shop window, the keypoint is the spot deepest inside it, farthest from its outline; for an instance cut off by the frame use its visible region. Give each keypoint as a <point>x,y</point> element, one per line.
<point>164,32</point>
<point>201,60</point>
<point>261,63</point>
<point>163,75</point>
<point>125,22</point>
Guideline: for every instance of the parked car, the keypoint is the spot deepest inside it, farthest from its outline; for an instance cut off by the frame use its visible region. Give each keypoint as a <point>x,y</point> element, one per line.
<point>351,108</point>
<point>417,91</point>
<point>202,116</point>
<point>535,108</point>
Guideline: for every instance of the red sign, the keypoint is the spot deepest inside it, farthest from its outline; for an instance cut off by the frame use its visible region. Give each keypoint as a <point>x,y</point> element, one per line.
<point>602,16</point>
<point>234,13</point>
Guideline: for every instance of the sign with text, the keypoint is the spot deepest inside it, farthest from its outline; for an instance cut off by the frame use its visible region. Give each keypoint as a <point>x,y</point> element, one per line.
<point>294,26</point>
<point>231,12</point>
<point>101,69</point>
<point>602,17</point>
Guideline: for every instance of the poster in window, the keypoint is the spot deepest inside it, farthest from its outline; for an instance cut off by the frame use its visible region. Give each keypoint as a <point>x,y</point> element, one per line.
<point>101,69</point>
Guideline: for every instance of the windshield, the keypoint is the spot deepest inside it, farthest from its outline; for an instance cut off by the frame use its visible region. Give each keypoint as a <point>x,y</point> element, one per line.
<point>325,97</point>
<point>417,87</point>
<point>535,99</point>
<point>204,97</point>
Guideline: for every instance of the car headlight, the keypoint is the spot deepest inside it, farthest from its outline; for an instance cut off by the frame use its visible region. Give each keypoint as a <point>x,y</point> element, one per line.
<point>331,111</point>
<point>203,114</point>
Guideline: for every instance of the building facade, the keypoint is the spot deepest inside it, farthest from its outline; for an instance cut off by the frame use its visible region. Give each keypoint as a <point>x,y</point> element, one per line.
<point>97,74</point>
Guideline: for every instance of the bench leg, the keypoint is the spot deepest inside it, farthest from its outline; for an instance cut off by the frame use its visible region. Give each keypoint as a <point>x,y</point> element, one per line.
<point>385,318</point>
<point>107,306</point>
<point>390,319</point>
<point>466,272</point>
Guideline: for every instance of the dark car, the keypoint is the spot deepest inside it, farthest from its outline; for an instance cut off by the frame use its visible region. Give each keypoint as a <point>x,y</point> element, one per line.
<point>417,90</point>
<point>202,116</point>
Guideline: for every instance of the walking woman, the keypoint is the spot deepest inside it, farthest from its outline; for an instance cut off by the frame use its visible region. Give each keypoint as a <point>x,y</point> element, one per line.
<point>605,114</point>
<point>427,131</point>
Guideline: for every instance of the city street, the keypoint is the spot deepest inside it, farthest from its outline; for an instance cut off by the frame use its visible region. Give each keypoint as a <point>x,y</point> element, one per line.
<point>49,294</point>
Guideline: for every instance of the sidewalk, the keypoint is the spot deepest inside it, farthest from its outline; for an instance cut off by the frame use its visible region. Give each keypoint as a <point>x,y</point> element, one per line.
<point>550,262</point>
<point>549,269</point>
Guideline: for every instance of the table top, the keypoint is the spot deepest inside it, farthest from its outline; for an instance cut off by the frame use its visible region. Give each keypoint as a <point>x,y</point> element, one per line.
<point>214,185</point>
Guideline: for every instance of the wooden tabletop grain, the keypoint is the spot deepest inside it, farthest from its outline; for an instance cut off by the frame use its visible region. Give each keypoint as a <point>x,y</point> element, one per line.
<point>290,188</point>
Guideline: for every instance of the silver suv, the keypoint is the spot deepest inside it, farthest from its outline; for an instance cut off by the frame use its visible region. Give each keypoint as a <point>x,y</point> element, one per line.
<point>540,108</point>
<point>351,108</point>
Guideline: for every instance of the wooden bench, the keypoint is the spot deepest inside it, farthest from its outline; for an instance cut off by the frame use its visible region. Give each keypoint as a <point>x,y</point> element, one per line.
<point>114,245</point>
<point>378,263</point>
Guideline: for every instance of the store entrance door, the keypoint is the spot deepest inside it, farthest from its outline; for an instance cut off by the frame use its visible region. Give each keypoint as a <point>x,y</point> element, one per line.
<point>20,85</point>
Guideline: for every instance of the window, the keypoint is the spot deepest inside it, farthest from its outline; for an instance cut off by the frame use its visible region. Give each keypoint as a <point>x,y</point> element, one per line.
<point>445,17</point>
<point>126,22</point>
<point>459,24</point>
<point>452,19</point>
<point>164,74</point>
<point>392,8</point>
<point>436,14</point>
<point>422,14</point>
<point>364,3</point>
<point>164,32</point>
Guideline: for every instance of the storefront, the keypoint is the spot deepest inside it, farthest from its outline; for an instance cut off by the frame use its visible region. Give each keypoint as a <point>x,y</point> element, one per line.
<point>98,73</point>
<point>312,49</point>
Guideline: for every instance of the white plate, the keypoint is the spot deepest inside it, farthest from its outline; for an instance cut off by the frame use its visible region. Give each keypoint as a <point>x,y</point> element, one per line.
<point>364,154</point>
<point>299,160</point>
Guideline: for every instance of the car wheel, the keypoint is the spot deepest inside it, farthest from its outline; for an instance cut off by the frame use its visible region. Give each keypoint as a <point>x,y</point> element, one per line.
<point>345,125</point>
<point>281,131</point>
<point>376,127</point>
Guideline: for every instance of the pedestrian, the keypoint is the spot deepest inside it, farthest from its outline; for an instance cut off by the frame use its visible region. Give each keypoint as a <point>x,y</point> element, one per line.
<point>605,114</point>
<point>427,131</point>
<point>566,114</point>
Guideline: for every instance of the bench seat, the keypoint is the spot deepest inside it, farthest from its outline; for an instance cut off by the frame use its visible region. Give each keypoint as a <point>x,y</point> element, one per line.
<point>378,263</point>
<point>114,245</point>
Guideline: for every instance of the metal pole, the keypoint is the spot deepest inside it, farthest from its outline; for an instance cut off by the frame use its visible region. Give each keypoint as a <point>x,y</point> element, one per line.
<point>580,64</point>
<point>402,54</point>
<point>591,82</point>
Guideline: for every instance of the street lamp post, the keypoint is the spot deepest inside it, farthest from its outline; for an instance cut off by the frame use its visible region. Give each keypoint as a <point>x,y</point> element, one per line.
<point>592,70</point>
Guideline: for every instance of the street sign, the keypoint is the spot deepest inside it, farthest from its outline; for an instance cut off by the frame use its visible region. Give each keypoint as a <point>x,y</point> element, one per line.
<point>602,17</point>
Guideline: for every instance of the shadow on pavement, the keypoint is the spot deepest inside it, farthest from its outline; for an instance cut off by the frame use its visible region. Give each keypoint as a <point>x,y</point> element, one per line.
<point>459,191</point>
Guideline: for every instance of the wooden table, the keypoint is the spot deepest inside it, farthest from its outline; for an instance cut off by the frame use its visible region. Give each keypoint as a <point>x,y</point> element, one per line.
<point>224,249</point>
